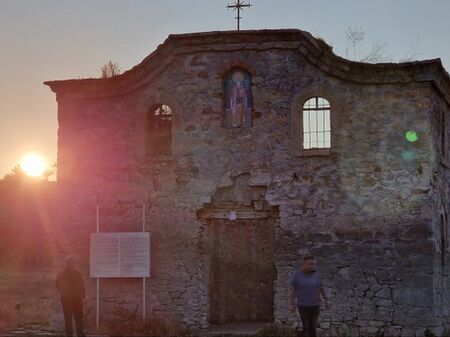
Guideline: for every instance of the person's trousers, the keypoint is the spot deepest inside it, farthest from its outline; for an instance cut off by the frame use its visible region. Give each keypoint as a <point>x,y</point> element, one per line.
<point>309,316</point>
<point>73,309</point>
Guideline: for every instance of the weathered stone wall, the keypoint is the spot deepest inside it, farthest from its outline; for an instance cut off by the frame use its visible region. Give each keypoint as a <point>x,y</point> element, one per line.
<point>441,204</point>
<point>365,210</point>
<point>365,213</point>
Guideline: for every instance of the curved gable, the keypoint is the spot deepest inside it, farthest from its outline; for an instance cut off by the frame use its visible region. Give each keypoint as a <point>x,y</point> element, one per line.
<point>316,51</point>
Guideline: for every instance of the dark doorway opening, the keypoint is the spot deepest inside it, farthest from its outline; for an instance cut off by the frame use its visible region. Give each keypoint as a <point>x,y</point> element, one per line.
<point>242,270</point>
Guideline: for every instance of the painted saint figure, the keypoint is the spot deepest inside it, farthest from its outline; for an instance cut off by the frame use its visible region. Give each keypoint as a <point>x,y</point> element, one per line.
<point>239,100</point>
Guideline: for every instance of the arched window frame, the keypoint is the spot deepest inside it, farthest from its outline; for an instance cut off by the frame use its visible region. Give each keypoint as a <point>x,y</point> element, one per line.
<point>316,127</point>
<point>296,120</point>
<point>159,130</point>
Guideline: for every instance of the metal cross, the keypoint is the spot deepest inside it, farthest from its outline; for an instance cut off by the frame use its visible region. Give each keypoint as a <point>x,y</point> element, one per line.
<point>239,6</point>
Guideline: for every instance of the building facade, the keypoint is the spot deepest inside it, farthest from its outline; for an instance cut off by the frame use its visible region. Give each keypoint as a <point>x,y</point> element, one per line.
<point>250,149</point>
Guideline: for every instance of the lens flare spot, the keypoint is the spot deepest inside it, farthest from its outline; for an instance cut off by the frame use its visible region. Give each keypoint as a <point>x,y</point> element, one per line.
<point>33,165</point>
<point>411,136</point>
<point>408,155</point>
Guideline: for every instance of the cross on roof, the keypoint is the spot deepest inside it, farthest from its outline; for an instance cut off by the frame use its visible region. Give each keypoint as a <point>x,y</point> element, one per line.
<point>238,5</point>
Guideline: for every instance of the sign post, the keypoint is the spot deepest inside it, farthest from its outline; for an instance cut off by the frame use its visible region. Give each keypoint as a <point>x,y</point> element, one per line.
<point>143,279</point>
<point>120,255</point>
<point>97,318</point>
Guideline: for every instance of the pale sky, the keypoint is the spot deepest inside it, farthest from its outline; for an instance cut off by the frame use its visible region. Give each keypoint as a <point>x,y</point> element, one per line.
<point>44,40</point>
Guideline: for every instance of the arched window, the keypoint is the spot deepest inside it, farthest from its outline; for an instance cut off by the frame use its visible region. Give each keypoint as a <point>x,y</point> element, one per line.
<point>159,130</point>
<point>316,124</point>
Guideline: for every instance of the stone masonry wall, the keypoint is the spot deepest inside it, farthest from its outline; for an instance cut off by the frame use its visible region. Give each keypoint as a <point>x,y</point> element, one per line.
<point>365,210</point>
<point>441,204</point>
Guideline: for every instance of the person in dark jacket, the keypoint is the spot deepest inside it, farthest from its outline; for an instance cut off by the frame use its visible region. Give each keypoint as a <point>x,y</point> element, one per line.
<point>71,286</point>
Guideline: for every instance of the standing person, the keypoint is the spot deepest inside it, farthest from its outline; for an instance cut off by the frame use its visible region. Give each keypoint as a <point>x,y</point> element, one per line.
<point>70,283</point>
<point>305,287</point>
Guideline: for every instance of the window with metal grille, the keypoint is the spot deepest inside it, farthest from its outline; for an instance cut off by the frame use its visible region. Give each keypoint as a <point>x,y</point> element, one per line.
<point>159,135</point>
<point>316,124</point>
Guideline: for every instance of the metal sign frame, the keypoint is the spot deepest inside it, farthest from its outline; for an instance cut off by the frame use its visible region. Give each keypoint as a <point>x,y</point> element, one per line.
<point>143,278</point>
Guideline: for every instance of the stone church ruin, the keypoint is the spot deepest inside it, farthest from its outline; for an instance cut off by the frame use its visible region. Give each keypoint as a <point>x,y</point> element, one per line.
<point>250,149</point>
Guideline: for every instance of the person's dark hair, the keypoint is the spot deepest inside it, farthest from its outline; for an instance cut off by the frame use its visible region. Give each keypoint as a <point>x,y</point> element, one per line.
<point>308,257</point>
<point>70,261</point>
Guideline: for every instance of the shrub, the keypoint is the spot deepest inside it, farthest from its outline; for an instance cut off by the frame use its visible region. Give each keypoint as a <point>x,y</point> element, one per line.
<point>278,330</point>
<point>428,333</point>
<point>126,322</point>
<point>157,325</point>
<point>130,323</point>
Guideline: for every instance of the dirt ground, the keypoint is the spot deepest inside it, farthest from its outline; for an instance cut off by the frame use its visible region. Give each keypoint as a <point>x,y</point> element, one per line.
<point>27,297</point>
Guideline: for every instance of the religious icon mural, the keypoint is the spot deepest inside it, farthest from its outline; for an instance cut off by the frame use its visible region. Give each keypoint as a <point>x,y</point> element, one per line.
<point>238,87</point>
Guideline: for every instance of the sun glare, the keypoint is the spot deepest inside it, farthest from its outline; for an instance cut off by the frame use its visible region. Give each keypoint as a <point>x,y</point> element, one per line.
<point>33,165</point>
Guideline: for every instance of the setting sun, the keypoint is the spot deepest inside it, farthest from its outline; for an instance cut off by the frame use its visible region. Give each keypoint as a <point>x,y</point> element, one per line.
<point>33,165</point>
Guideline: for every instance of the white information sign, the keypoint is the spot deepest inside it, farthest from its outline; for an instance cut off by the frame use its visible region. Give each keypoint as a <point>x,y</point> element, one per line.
<point>120,254</point>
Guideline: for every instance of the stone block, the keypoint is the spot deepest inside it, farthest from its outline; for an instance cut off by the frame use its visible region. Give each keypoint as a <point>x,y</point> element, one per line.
<point>412,296</point>
<point>385,292</point>
<point>384,303</point>
<point>259,177</point>
<point>376,323</point>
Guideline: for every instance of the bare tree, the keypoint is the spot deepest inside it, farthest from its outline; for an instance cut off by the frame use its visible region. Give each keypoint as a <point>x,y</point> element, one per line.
<point>411,54</point>
<point>377,53</point>
<point>110,69</point>
<point>354,37</point>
